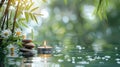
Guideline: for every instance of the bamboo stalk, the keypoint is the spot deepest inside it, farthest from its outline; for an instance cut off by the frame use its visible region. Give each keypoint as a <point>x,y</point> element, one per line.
<point>14,22</point>
<point>3,18</point>
<point>7,22</point>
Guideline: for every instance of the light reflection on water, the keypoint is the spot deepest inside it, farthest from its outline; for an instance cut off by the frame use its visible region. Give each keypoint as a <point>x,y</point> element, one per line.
<point>74,58</point>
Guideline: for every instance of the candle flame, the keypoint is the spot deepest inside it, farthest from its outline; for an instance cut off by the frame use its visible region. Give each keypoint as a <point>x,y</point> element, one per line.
<point>45,43</point>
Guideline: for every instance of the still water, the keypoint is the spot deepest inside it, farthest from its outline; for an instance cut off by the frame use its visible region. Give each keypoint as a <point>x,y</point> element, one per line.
<point>76,57</point>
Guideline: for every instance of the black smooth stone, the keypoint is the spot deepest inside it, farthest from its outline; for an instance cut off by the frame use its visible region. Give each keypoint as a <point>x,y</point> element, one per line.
<point>26,41</point>
<point>28,54</point>
<point>24,50</point>
<point>29,45</point>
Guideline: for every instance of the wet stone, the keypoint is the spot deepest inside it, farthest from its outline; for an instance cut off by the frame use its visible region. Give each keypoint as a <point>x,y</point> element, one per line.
<point>26,41</point>
<point>25,50</point>
<point>28,54</point>
<point>29,45</point>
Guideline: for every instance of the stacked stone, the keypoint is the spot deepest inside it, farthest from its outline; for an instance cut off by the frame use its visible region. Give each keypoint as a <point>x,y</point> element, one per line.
<point>27,50</point>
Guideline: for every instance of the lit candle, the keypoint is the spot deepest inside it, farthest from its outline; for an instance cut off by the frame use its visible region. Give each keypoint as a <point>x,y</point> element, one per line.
<point>44,49</point>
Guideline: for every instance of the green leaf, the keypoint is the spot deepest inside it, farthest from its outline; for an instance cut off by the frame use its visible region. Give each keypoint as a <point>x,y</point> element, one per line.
<point>27,16</point>
<point>21,20</point>
<point>44,0</point>
<point>65,1</point>
<point>19,14</point>
<point>31,15</point>
<point>16,25</point>
<point>23,24</point>
<point>26,8</point>
<point>29,6</point>
<point>34,9</point>
<point>35,18</point>
<point>39,14</point>
<point>101,9</point>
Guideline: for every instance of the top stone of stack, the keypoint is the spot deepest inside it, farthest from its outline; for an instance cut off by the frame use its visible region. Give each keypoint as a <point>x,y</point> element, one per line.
<point>28,44</point>
<point>26,41</point>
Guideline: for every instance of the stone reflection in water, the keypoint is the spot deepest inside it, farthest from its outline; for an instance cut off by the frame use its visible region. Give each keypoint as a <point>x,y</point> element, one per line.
<point>12,61</point>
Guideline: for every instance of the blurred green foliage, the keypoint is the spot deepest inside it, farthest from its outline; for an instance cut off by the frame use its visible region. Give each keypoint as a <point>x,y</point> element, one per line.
<point>74,23</point>
<point>71,24</point>
<point>81,28</point>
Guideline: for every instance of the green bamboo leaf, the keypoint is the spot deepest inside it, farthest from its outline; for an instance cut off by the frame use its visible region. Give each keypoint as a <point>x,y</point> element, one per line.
<point>65,1</point>
<point>31,5</point>
<point>107,2</point>
<point>34,9</point>
<point>24,3</point>
<point>99,14</point>
<point>44,0</point>
<point>39,14</point>
<point>27,16</point>
<point>35,18</point>
<point>101,9</point>
<point>31,15</point>
<point>21,20</point>
<point>28,8</point>
<point>23,24</point>
<point>19,14</point>
<point>17,25</point>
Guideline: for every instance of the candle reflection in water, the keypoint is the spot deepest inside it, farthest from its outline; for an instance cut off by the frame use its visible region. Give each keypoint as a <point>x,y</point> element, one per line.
<point>44,52</point>
<point>43,60</point>
<point>44,56</point>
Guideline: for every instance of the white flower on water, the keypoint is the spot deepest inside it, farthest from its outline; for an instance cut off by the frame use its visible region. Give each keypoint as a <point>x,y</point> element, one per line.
<point>6,33</point>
